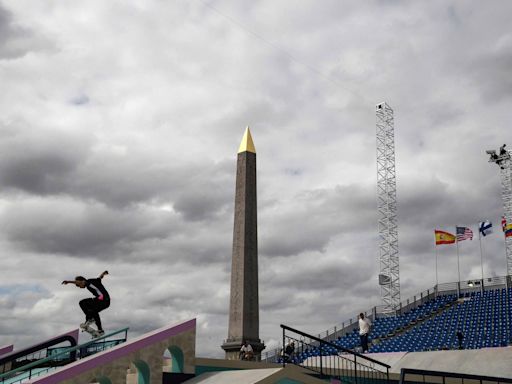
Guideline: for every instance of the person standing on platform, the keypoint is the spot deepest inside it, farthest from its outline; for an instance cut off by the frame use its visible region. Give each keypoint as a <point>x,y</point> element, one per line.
<point>364,331</point>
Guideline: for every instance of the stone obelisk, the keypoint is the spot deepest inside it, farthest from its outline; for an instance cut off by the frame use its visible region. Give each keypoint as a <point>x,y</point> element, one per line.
<point>244,307</point>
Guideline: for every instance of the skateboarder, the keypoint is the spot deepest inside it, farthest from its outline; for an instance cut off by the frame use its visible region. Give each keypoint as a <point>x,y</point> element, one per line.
<point>92,306</point>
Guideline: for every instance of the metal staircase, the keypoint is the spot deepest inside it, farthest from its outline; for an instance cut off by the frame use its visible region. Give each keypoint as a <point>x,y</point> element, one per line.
<point>327,360</point>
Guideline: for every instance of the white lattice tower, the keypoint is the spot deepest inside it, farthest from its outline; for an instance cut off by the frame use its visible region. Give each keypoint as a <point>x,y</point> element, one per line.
<point>503,160</point>
<point>506,193</point>
<point>389,278</point>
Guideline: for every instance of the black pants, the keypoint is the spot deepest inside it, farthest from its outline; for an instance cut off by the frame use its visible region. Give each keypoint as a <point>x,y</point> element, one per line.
<point>92,308</point>
<point>364,342</point>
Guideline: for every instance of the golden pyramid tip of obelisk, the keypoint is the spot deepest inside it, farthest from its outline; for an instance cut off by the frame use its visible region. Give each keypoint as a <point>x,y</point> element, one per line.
<point>247,145</point>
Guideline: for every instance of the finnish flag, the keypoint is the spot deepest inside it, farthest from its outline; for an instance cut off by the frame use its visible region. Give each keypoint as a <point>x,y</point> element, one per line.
<point>485,227</point>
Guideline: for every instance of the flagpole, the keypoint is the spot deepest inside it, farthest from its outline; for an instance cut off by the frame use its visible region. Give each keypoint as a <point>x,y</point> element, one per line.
<point>503,227</point>
<point>458,261</point>
<point>481,253</point>
<point>437,282</point>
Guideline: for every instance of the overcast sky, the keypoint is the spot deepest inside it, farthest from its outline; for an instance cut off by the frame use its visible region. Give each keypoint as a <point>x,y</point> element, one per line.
<point>119,127</point>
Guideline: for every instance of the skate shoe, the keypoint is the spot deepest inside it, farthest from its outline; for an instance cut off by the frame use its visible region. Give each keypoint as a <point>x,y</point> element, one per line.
<point>87,324</point>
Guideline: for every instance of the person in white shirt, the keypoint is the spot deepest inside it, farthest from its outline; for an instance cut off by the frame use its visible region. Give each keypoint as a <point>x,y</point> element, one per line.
<point>246,352</point>
<point>364,330</point>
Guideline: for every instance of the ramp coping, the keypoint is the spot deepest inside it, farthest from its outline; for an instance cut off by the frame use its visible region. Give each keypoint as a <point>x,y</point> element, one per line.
<point>6,349</point>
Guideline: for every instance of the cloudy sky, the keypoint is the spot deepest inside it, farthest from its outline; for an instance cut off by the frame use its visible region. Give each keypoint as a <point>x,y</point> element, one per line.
<point>119,127</point>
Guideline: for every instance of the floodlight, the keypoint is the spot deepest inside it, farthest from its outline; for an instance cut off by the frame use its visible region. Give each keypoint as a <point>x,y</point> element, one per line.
<point>384,279</point>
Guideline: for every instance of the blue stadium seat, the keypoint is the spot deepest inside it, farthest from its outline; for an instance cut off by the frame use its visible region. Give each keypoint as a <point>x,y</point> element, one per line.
<point>484,318</point>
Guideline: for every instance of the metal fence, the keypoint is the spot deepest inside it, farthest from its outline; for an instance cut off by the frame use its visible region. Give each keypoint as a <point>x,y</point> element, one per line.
<point>416,376</point>
<point>329,360</point>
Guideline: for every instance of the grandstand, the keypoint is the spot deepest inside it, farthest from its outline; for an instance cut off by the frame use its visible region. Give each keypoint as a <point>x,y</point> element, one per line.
<point>420,335</point>
<point>483,319</point>
<point>480,309</point>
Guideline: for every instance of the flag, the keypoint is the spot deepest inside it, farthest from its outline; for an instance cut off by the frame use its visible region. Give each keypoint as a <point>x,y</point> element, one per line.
<point>464,233</point>
<point>444,237</point>
<point>508,230</point>
<point>485,227</point>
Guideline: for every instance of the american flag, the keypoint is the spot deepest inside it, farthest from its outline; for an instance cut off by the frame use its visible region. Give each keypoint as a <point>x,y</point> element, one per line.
<point>464,233</point>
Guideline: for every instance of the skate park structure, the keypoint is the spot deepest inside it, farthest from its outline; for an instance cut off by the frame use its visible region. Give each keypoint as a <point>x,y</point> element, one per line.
<point>143,353</point>
<point>139,360</point>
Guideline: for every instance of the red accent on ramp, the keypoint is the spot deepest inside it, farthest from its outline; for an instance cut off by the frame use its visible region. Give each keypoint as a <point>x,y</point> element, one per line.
<point>6,349</point>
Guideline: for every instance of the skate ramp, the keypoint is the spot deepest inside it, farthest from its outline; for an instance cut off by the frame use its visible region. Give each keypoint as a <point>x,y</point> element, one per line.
<point>248,376</point>
<point>143,354</point>
<point>389,358</point>
<point>291,374</point>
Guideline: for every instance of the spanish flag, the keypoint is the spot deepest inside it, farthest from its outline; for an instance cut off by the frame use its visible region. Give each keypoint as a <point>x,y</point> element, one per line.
<point>508,230</point>
<point>444,237</point>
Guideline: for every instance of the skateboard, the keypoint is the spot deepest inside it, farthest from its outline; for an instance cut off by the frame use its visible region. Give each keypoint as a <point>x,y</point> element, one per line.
<point>90,330</point>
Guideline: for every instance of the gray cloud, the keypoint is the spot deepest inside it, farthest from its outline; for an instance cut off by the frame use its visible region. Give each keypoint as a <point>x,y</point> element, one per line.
<point>16,40</point>
<point>41,162</point>
<point>72,227</point>
<point>491,70</point>
<point>310,220</point>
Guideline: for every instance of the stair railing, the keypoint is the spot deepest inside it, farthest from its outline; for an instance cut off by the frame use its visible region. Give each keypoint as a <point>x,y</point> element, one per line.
<point>330,360</point>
